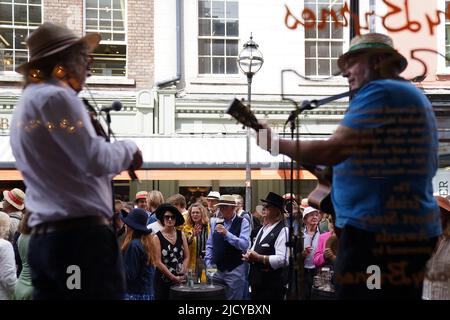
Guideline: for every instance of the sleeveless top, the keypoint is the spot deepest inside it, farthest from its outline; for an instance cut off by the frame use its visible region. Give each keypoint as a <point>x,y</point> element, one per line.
<point>171,255</point>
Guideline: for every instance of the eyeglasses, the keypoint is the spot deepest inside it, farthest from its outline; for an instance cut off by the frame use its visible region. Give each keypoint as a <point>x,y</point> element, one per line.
<point>169,217</point>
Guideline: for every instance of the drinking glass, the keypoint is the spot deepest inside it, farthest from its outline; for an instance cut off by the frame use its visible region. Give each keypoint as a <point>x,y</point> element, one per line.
<point>211,271</point>
<point>180,272</point>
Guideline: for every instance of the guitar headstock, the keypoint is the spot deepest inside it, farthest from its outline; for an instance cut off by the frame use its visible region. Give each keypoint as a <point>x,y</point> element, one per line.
<point>243,115</point>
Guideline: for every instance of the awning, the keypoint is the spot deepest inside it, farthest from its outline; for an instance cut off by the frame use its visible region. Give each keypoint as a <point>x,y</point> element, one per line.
<point>189,158</point>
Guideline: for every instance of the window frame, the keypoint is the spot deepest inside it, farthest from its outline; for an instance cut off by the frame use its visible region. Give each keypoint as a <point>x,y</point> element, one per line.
<point>345,43</point>
<point>442,69</point>
<point>15,27</point>
<point>224,57</point>
<point>109,42</point>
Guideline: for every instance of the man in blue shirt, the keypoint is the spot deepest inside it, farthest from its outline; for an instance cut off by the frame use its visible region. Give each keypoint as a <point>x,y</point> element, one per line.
<point>384,156</point>
<point>228,240</point>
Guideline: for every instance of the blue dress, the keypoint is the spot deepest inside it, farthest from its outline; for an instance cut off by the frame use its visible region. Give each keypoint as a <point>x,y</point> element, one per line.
<point>138,273</point>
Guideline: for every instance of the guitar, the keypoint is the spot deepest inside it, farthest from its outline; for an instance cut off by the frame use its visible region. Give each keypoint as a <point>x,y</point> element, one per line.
<point>320,197</point>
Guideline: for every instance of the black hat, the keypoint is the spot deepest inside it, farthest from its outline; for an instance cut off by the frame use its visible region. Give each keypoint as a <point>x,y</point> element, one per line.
<point>275,200</point>
<point>137,220</point>
<point>163,208</point>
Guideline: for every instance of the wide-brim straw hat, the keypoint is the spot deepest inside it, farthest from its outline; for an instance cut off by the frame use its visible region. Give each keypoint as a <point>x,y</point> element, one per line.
<point>50,38</point>
<point>226,200</point>
<point>443,203</point>
<point>372,43</point>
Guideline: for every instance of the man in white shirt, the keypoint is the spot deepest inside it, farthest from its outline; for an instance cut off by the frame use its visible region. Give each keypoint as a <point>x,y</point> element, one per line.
<point>269,255</point>
<point>68,169</point>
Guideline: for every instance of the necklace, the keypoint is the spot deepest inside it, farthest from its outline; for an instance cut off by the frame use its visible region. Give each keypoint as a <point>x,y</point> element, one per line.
<point>170,236</point>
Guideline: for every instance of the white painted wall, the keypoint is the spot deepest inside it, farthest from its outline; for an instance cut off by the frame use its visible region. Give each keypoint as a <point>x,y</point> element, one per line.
<point>282,49</point>
<point>165,39</point>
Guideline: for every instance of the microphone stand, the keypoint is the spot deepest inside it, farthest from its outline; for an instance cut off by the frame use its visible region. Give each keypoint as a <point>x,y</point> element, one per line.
<point>293,243</point>
<point>296,269</point>
<point>108,125</point>
<point>108,139</point>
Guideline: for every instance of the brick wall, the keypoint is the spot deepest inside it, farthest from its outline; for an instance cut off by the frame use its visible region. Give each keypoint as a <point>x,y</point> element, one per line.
<point>140,43</point>
<point>140,65</point>
<point>67,12</point>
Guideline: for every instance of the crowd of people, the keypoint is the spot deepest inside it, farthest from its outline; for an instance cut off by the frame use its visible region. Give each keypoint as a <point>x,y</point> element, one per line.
<point>383,154</point>
<point>210,233</point>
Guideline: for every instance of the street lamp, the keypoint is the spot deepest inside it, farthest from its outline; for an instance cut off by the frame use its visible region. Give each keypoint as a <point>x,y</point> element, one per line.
<point>250,60</point>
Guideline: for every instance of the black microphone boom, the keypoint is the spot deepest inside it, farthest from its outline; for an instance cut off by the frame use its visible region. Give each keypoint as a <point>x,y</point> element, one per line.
<point>309,105</point>
<point>116,106</point>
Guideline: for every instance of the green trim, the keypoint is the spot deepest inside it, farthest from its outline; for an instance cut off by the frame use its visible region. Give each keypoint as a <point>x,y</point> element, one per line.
<point>370,46</point>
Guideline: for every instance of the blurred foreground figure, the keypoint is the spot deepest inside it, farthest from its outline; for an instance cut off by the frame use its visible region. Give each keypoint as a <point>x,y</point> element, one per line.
<point>67,169</point>
<point>384,156</point>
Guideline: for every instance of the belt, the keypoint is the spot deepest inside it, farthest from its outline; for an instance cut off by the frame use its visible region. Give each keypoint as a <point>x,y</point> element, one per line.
<point>61,225</point>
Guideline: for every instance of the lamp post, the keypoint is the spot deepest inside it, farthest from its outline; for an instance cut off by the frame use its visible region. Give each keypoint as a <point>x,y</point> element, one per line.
<point>250,60</point>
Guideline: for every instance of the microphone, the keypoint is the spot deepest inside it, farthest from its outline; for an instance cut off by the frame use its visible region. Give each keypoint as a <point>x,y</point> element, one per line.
<point>310,105</point>
<point>116,106</point>
<point>306,105</point>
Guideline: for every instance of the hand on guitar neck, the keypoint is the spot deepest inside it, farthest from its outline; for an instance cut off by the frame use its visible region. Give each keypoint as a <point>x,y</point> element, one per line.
<point>320,197</point>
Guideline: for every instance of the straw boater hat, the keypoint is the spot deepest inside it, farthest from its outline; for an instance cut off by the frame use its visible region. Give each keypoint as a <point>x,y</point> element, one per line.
<point>15,197</point>
<point>373,42</point>
<point>443,203</point>
<point>141,195</point>
<point>226,200</point>
<point>51,38</point>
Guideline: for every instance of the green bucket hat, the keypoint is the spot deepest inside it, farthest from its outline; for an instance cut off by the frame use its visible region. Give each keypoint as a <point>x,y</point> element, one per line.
<point>373,42</point>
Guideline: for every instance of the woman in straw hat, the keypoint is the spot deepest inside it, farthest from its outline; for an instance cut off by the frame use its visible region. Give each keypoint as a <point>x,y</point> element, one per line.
<point>67,169</point>
<point>436,285</point>
<point>383,165</point>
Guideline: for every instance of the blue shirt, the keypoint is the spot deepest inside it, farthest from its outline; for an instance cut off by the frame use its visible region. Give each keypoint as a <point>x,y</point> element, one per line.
<point>387,184</point>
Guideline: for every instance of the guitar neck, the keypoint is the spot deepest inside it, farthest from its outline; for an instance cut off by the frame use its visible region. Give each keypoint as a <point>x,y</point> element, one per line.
<point>243,115</point>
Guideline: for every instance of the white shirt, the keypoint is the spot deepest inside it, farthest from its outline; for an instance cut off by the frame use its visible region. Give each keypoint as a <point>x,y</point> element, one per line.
<point>155,226</point>
<point>281,256</point>
<point>8,278</point>
<point>66,167</point>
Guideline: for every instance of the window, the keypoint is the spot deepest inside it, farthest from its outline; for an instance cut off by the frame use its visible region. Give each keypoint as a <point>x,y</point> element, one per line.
<point>17,19</point>
<point>218,30</point>
<point>323,45</point>
<point>447,35</point>
<point>107,17</point>
<point>443,40</point>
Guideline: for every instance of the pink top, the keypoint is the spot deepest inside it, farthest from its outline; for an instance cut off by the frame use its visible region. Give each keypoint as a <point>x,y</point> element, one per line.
<point>319,259</point>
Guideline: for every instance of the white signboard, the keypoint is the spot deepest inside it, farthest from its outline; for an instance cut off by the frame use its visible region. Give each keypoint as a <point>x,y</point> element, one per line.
<point>441,182</point>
